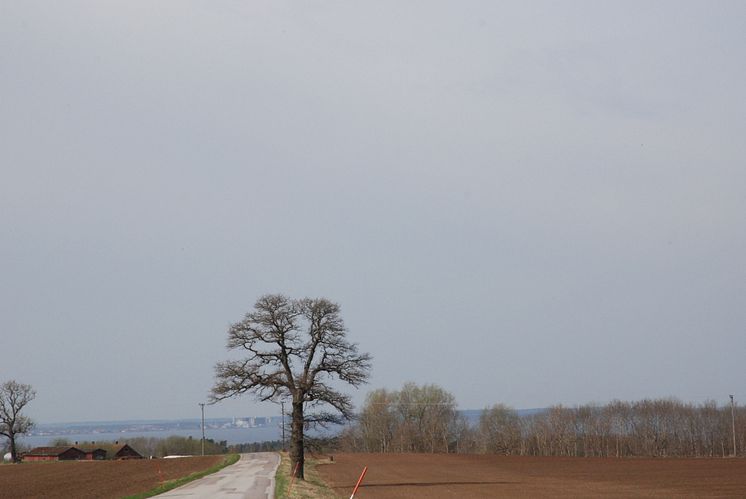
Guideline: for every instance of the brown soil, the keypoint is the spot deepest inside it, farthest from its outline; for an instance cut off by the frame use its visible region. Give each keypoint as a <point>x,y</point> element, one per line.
<point>94,479</point>
<point>440,476</point>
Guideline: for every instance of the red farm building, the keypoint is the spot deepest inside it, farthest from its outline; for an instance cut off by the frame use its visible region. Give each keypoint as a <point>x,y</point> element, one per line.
<point>113,451</point>
<point>94,453</point>
<point>124,451</point>
<point>55,454</point>
<point>83,453</point>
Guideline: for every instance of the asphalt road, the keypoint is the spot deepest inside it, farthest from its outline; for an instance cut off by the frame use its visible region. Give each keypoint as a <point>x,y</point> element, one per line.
<point>252,477</point>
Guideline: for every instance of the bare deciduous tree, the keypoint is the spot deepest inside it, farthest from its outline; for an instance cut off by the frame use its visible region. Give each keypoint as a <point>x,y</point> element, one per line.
<point>14,396</point>
<point>295,349</point>
<point>500,430</point>
<point>413,419</point>
<point>378,421</point>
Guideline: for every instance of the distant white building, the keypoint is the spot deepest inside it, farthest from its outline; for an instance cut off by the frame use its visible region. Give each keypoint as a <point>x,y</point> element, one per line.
<point>241,423</point>
<point>7,457</point>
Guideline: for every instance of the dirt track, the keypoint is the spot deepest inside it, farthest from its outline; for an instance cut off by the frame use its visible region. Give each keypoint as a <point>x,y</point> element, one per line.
<point>94,479</point>
<point>441,476</point>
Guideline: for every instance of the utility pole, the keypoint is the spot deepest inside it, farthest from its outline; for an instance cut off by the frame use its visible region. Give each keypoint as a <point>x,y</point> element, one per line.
<point>203,427</point>
<point>733,421</point>
<point>282,404</point>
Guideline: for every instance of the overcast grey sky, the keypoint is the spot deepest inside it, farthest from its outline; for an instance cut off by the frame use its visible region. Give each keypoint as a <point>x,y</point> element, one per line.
<point>529,203</point>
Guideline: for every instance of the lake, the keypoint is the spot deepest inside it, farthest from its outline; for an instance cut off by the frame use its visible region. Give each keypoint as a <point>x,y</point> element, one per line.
<point>231,435</point>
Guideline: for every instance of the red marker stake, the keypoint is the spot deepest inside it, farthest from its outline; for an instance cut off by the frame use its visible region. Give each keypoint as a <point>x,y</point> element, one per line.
<point>160,474</point>
<point>359,481</point>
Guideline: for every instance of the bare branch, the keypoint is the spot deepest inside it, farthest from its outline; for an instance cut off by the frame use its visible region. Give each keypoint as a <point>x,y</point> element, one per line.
<point>14,397</point>
<point>293,348</point>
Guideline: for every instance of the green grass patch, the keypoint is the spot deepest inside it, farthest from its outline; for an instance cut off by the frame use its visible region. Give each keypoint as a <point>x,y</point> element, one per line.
<point>312,488</point>
<point>172,484</point>
<point>282,480</point>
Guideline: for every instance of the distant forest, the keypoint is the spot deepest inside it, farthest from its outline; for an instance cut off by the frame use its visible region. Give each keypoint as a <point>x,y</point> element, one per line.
<point>425,419</point>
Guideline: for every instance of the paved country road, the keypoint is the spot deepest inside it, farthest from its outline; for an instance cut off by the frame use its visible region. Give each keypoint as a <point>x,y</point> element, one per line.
<point>252,477</point>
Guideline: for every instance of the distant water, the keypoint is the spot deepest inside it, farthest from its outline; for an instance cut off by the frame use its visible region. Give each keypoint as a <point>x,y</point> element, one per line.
<point>231,435</point>
<point>217,429</point>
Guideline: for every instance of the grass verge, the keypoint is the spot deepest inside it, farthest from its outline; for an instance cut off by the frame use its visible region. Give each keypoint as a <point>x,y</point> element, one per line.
<point>312,488</point>
<point>172,484</point>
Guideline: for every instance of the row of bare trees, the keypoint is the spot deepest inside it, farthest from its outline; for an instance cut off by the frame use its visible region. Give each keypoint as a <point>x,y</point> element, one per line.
<point>655,428</point>
<point>424,419</point>
<point>413,419</point>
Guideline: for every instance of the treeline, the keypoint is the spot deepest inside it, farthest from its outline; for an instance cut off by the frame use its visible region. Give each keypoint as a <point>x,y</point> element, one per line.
<point>312,444</point>
<point>160,447</point>
<point>267,446</point>
<point>425,419</point>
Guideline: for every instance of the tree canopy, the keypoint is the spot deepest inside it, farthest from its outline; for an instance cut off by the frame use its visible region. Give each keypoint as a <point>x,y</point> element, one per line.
<point>14,396</point>
<point>294,349</point>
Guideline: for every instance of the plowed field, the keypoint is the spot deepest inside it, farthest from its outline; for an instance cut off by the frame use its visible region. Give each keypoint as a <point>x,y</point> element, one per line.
<point>450,476</point>
<point>94,479</point>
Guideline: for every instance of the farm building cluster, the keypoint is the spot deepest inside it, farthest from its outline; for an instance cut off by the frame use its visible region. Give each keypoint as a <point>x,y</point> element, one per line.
<point>82,453</point>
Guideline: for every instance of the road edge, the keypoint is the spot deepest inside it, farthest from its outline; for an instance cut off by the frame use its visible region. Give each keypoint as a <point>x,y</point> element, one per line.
<point>272,480</point>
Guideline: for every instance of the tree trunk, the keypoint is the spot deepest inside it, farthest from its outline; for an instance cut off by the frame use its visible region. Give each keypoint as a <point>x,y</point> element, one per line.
<point>296,441</point>
<point>13,450</point>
